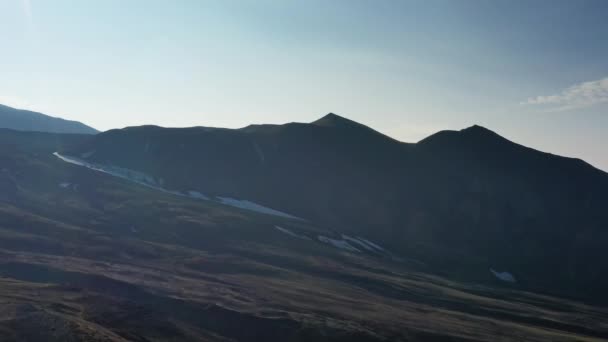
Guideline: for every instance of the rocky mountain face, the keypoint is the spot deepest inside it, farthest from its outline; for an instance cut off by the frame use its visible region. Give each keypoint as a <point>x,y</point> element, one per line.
<point>460,201</point>
<point>142,251</point>
<point>25,120</point>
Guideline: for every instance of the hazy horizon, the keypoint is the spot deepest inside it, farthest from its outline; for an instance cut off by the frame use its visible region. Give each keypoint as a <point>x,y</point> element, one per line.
<point>536,73</point>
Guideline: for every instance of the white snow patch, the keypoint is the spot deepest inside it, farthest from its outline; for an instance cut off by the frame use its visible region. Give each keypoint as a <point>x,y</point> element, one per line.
<point>338,243</point>
<point>359,242</point>
<point>197,195</point>
<point>289,232</point>
<point>248,205</point>
<point>70,186</point>
<point>504,276</point>
<point>371,244</point>
<point>135,176</point>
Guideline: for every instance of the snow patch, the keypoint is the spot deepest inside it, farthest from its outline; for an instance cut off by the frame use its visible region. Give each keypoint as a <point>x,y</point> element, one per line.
<point>359,242</point>
<point>338,243</point>
<point>504,276</point>
<point>248,205</point>
<point>68,186</point>
<point>135,176</point>
<point>197,195</point>
<point>371,244</point>
<point>289,232</point>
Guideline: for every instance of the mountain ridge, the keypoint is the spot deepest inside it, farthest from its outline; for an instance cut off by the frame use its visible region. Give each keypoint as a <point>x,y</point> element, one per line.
<point>453,200</point>
<point>89,256</point>
<point>26,120</point>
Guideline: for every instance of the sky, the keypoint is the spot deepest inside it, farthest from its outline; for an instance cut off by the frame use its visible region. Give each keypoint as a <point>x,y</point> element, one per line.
<point>535,71</point>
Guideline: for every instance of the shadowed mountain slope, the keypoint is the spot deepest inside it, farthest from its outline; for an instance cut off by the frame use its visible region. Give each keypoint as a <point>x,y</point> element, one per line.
<point>25,120</point>
<point>462,201</point>
<point>98,253</point>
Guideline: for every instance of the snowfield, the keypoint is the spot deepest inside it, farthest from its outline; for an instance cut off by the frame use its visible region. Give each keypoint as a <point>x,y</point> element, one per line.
<point>68,186</point>
<point>347,243</point>
<point>504,276</point>
<point>338,243</point>
<point>379,248</point>
<point>196,194</point>
<point>290,233</point>
<point>368,245</point>
<point>248,205</point>
<point>134,176</point>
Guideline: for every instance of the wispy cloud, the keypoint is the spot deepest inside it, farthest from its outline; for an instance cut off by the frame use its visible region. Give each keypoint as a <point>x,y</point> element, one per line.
<point>580,95</point>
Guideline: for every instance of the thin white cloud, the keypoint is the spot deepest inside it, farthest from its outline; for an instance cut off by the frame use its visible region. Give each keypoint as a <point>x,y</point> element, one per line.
<point>580,95</point>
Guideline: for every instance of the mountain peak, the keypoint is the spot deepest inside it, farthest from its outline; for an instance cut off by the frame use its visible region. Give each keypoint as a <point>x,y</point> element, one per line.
<point>478,130</point>
<point>335,120</point>
<point>476,135</point>
<point>482,135</point>
<point>347,126</point>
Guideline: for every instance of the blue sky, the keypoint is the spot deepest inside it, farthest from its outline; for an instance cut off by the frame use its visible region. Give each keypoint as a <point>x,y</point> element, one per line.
<point>533,71</point>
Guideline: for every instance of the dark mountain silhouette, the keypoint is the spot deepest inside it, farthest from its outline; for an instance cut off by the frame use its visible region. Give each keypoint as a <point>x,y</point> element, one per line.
<point>89,254</point>
<point>25,120</point>
<point>461,201</point>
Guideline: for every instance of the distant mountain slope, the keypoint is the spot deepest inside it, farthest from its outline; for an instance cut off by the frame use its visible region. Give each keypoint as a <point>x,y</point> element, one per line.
<point>463,201</point>
<point>87,256</point>
<point>25,120</point>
